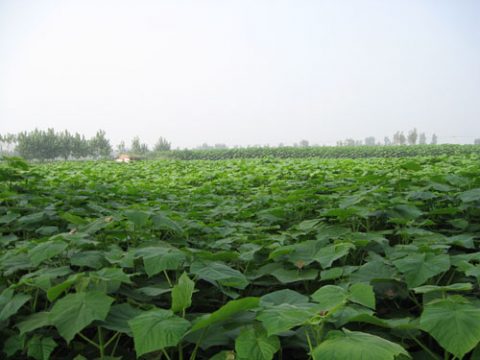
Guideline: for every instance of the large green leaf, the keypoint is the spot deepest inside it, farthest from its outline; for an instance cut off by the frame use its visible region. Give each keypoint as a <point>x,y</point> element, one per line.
<point>74,312</point>
<point>330,296</point>
<point>470,195</point>
<point>362,294</point>
<point>34,321</point>
<point>158,259</point>
<point>156,330</point>
<point>328,254</point>
<point>226,311</point>
<point>10,304</point>
<point>280,318</point>
<point>46,251</point>
<point>253,343</point>
<point>219,272</point>
<point>40,348</point>
<point>355,345</point>
<point>454,323</point>
<point>182,293</point>
<point>119,316</point>
<point>419,267</point>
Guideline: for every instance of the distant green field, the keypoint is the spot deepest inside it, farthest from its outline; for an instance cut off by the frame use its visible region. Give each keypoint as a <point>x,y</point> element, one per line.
<point>326,152</point>
<point>373,258</point>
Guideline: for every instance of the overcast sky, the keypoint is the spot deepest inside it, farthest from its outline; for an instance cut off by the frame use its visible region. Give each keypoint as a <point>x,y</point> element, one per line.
<point>241,72</point>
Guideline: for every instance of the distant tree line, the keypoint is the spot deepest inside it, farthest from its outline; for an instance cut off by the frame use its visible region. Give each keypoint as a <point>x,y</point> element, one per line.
<point>50,145</point>
<point>399,138</point>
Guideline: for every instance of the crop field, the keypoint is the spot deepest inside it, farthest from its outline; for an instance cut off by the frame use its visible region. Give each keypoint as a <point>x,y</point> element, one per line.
<point>253,259</point>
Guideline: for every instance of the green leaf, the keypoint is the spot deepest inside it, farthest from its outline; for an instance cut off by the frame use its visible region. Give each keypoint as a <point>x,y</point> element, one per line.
<point>330,297</point>
<point>219,272</point>
<point>45,251</point>
<point>362,294</point>
<point>119,316</point>
<point>328,254</point>
<point>470,195</point>
<point>158,259</point>
<point>14,344</point>
<point>182,293</point>
<point>157,329</point>
<point>425,289</point>
<point>224,355</point>
<point>285,296</point>
<point>419,267</point>
<point>356,345</point>
<point>72,313</point>
<point>40,347</point>
<point>9,305</point>
<point>454,323</point>
<point>139,218</point>
<point>280,318</point>
<point>34,321</point>
<point>227,311</point>
<point>253,343</point>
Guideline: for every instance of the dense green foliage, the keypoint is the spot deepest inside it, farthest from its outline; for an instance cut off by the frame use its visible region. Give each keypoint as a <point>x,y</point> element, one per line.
<point>241,259</point>
<point>351,152</point>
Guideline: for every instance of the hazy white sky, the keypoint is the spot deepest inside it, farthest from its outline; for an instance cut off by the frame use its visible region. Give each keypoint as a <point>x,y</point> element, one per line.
<point>241,72</point>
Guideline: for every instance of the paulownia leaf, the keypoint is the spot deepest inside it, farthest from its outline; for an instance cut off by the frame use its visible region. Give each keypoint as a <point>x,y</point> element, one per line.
<point>425,289</point>
<point>74,312</point>
<point>328,254</point>
<point>330,296</point>
<point>454,323</point>
<point>119,316</point>
<point>46,251</point>
<point>280,318</point>
<point>10,304</point>
<point>362,294</point>
<point>356,345</point>
<point>158,259</point>
<point>419,267</point>
<point>219,272</point>
<point>34,321</point>
<point>253,343</point>
<point>182,293</point>
<point>156,330</point>
<point>40,347</point>
<point>470,195</point>
<point>226,311</point>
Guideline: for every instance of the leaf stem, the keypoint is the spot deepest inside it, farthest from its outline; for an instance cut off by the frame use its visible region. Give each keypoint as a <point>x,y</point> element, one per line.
<point>166,354</point>
<point>424,348</point>
<point>93,343</point>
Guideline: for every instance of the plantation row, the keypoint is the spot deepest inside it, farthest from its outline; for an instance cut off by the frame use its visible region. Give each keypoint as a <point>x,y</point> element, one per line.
<point>241,259</point>
<point>352,152</point>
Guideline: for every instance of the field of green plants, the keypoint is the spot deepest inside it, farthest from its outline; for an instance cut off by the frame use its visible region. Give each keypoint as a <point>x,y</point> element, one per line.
<point>326,152</point>
<point>253,259</point>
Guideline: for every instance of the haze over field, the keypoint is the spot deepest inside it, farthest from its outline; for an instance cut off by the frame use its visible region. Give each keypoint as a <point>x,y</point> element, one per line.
<point>241,72</point>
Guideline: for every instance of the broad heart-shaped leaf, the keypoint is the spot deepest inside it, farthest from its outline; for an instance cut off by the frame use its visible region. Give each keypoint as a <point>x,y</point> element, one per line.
<point>226,311</point>
<point>356,345</point>
<point>74,312</point>
<point>425,289</point>
<point>220,273</point>
<point>40,348</point>
<point>10,304</point>
<point>362,294</point>
<point>46,251</point>
<point>182,293</point>
<point>328,254</point>
<point>119,316</point>
<point>419,267</point>
<point>454,323</point>
<point>280,318</point>
<point>285,296</point>
<point>470,195</point>
<point>157,329</point>
<point>139,218</point>
<point>254,344</point>
<point>158,259</point>
<point>34,321</point>
<point>329,297</point>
